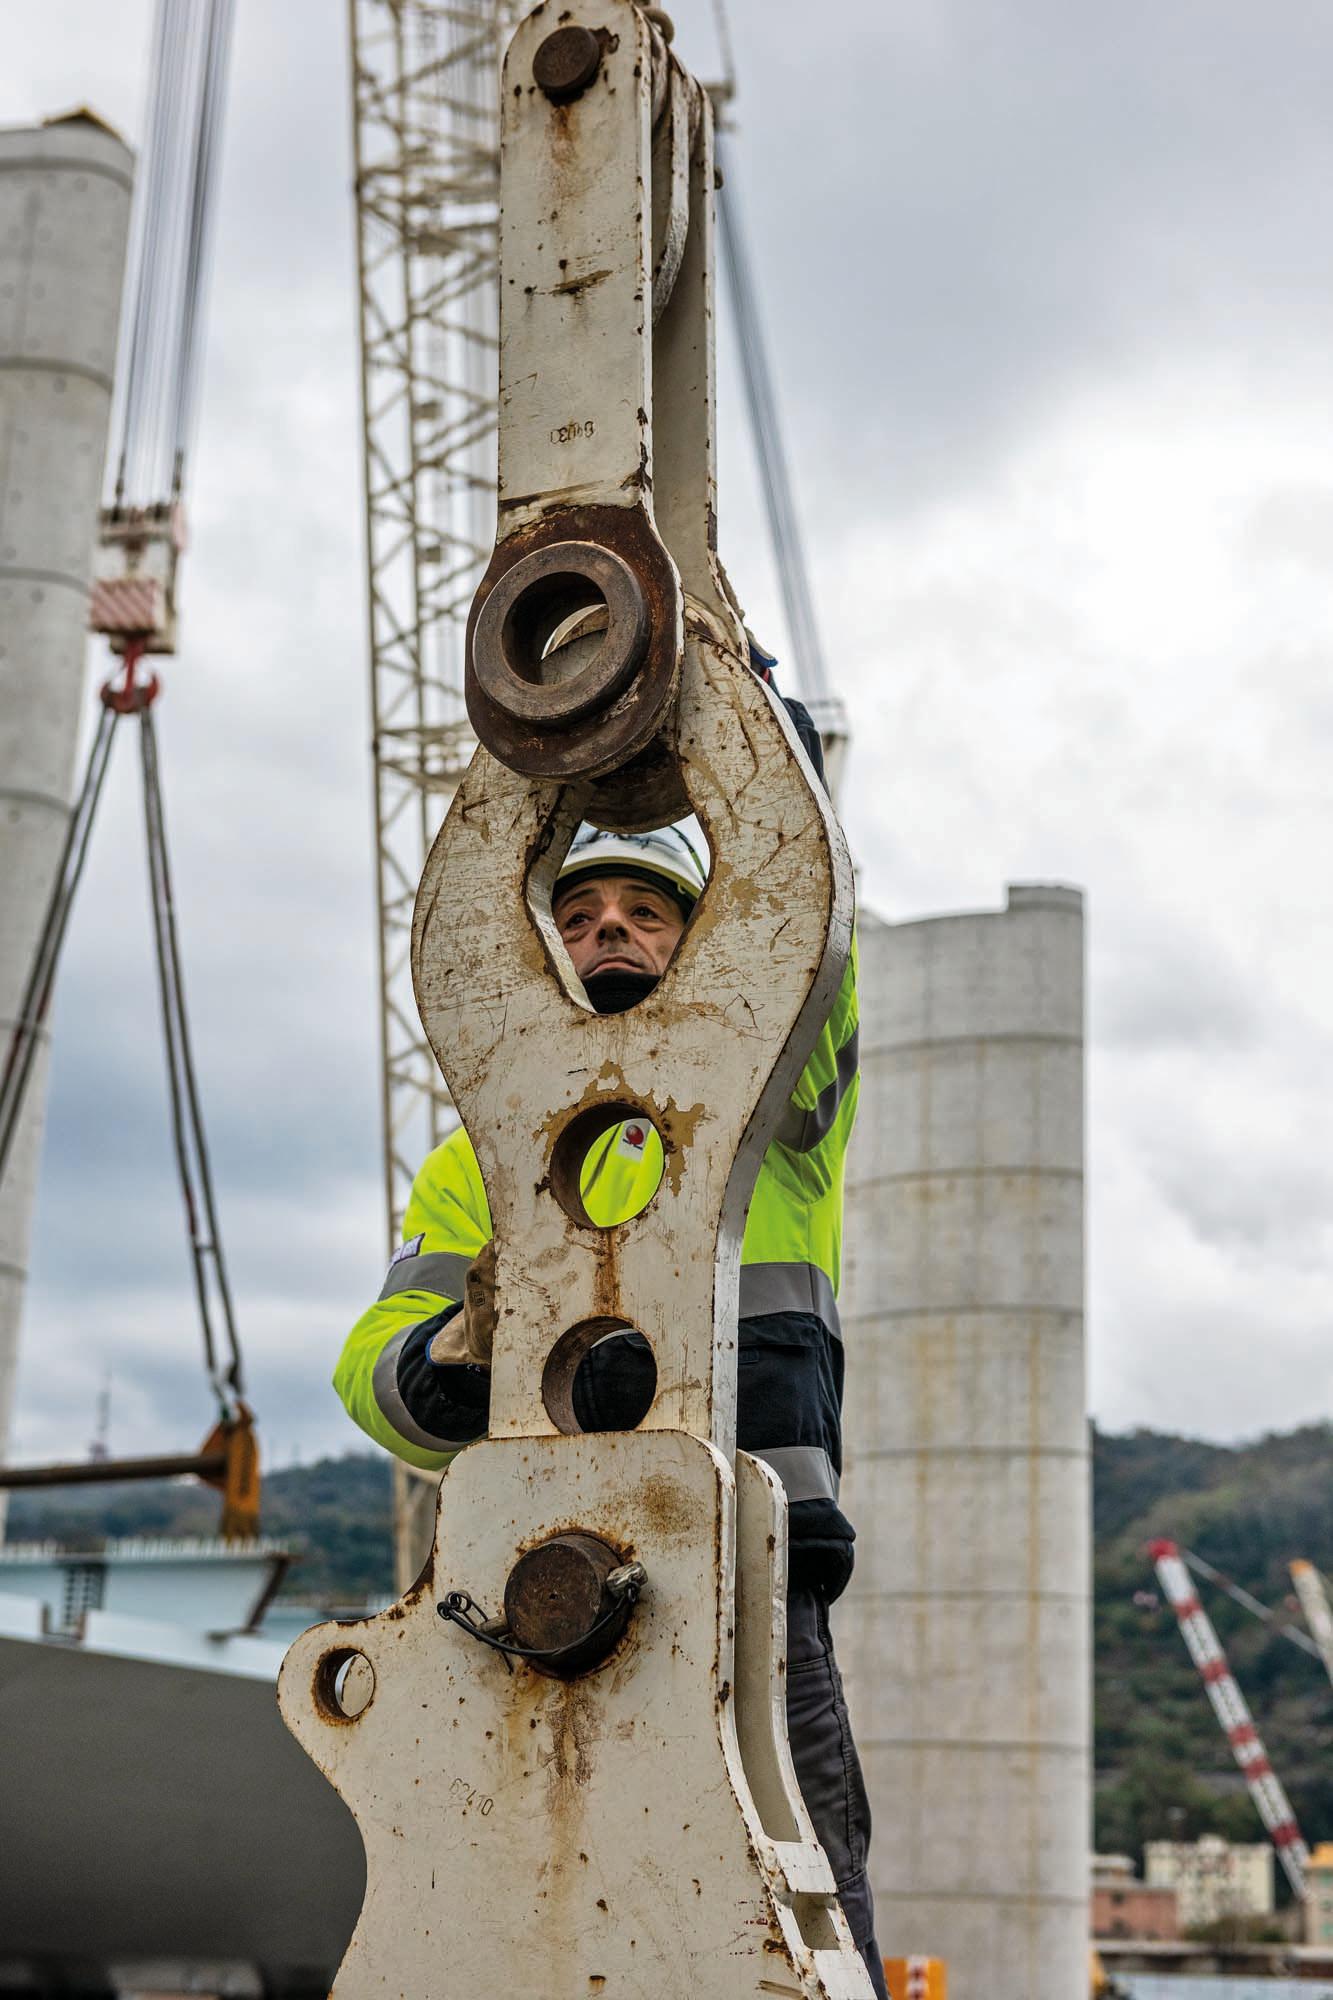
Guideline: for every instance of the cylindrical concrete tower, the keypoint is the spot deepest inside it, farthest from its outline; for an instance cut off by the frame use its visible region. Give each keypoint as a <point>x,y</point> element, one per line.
<point>964,1636</point>
<point>64,217</point>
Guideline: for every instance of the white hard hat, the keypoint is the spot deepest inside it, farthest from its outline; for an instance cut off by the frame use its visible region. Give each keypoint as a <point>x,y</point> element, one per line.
<point>667,856</point>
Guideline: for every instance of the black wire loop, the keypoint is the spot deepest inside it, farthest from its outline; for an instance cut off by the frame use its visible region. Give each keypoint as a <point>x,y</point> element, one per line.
<point>457,1604</point>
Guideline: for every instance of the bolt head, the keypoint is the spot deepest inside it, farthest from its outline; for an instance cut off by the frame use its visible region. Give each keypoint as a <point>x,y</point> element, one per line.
<point>566,63</point>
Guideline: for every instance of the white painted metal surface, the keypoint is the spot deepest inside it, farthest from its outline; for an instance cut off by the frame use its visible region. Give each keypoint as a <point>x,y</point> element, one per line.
<point>964,1634</point>
<point>634,1827</point>
<point>64,215</point>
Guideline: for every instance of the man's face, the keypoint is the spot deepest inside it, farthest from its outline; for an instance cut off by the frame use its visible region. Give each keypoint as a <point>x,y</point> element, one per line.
<point>617,923</point>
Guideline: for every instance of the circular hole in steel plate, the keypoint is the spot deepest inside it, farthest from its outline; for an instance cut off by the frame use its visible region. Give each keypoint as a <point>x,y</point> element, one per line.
<point>630,1391</point>
<point>344,1684</point>
<point>560,635</point>
<point>601,1151</point>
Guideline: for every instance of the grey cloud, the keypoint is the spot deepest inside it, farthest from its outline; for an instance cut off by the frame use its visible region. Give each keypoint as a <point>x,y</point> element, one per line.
<point>960,221</point>
<point>1170,986</point>
<point>1290,524</point>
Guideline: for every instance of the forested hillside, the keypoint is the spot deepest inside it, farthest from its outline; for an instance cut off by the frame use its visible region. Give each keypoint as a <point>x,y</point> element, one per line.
<point>337,1515</point>
<point>1162,1764</point>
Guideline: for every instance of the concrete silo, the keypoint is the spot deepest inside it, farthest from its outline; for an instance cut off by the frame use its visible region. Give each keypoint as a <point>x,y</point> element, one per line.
<point>964,1637</point>
<point>64,217</point>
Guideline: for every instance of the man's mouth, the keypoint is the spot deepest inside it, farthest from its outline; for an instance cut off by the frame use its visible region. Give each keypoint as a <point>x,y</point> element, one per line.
<point>617,963</point>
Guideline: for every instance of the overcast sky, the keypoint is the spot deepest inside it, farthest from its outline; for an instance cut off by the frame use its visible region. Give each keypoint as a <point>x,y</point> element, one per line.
<point>1049,300</point>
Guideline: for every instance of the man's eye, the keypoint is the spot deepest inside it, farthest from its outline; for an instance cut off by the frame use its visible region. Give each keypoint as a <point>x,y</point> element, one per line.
<point>574,917</point>
<point>647,910</point>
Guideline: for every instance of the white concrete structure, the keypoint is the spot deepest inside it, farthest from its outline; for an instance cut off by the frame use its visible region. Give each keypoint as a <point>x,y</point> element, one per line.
<point>1212,1877</point>
<point>64,214</point>
<point>964,1635</point>
<point>215,1589</point>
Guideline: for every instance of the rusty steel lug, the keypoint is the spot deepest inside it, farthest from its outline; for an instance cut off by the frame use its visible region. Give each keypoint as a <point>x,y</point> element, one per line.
<point>571,716</point>
<point>521,673</point>
<point>566,63</point>
<point>560,1601</point>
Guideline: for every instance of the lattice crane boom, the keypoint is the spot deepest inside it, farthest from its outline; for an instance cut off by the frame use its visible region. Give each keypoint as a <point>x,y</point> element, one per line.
<point>425,90</point>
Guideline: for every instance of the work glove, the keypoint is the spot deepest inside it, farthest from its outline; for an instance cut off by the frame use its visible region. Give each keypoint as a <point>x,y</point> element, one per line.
<point>466,1339</point>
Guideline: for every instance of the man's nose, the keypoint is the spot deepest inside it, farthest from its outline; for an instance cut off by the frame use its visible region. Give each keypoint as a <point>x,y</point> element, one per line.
<point>612,919</point>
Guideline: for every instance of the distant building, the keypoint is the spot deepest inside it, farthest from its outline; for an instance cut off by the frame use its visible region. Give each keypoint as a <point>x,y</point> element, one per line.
<point>1319,1896</point>
<point>1124,1907</point>
<point>1212,1877</point>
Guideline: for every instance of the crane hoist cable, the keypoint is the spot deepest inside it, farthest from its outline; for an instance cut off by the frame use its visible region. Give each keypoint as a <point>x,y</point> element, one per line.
<point>133,602</point>
<point>162,335</point>
<point>130,696</point>
<point>793,574</point>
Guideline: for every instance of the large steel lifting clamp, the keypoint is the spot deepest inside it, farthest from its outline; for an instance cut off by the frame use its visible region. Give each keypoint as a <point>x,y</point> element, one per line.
<point>578,1781</point>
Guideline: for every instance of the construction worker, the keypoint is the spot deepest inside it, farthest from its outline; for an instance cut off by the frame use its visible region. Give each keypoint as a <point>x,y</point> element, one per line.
<point>414,1373</point>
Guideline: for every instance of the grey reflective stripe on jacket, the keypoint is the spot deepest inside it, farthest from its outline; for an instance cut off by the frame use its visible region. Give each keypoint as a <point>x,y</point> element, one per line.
<point>801,1129</point>
<point>384,1387</point>
<point>776,1288</point>
<point>806,1471</point>
<point>439,1271</point>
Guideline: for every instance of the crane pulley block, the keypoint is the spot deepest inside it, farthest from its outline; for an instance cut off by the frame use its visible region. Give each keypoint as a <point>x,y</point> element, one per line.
<point>134,577</point>
<point>566,1745</point>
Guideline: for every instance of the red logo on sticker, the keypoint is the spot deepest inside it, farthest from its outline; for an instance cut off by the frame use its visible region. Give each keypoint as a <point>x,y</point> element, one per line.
<point>634,1135</point>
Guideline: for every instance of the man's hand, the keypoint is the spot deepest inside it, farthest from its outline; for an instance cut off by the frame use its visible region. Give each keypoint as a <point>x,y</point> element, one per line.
<point>468,1337</point>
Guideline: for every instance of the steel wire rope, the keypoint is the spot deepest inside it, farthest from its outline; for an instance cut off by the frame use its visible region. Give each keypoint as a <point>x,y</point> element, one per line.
<point>187,1122</point>
<point>173,238</point>
<point>164,347</point>
<point>137,321</point>
<point>217,48</point>
<point>761,400</point>
<point>1251,1604</point>
<point>723,26</point>
<point>26,1034</point>
<point>165,94</point>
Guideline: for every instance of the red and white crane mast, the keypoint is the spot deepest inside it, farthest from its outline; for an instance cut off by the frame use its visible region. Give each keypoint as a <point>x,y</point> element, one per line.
<point>1232,1711</point>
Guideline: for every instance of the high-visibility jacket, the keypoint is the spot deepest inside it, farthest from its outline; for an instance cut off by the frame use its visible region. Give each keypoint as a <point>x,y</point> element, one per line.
<point>790,1370</point>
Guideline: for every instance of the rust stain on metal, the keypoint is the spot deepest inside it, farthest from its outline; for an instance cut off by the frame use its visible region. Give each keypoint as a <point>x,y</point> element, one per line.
<point>574,1718</point>
<point>677,1128</point>
<point>574,288</point>
<point>665,1507</point>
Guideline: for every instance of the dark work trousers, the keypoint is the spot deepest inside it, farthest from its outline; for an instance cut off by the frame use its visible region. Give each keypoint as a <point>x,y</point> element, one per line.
<point>828,1768</point>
